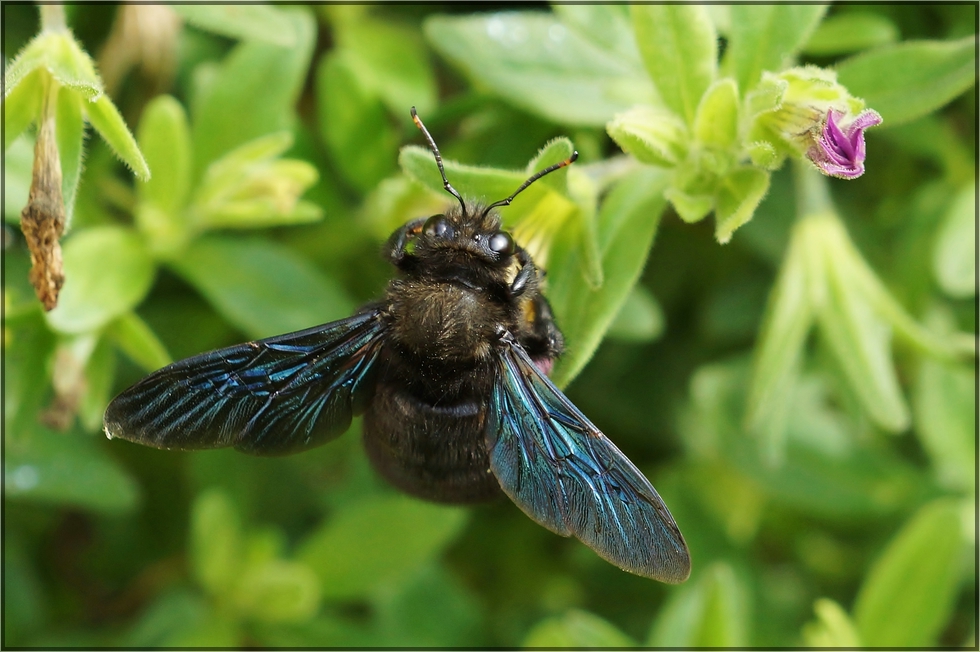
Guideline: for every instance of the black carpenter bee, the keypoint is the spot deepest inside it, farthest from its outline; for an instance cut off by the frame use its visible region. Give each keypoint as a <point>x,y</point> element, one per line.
<point>450,371</point>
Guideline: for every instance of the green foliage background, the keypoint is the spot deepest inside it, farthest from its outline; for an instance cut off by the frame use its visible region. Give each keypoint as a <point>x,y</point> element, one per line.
<point>819,455</point>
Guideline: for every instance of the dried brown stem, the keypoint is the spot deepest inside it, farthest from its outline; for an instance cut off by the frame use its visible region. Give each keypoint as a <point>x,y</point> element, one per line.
<point>43,219</point>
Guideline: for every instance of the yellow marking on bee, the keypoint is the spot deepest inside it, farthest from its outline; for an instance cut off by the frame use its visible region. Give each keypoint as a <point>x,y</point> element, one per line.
<point>529,312</point>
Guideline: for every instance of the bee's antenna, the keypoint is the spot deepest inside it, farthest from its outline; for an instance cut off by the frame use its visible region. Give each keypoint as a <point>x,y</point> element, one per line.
<point>548,170</point>
<point>435,150</point>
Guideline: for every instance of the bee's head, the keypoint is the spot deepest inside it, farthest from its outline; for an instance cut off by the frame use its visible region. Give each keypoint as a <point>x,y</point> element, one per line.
<point>470,231</point>
<point>466,234</point>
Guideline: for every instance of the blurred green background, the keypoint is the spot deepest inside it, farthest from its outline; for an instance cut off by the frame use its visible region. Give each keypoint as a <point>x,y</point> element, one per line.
<point>273,137</point>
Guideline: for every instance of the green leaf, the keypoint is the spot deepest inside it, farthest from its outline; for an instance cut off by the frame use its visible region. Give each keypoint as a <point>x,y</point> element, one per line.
<point>767,37</point>
<point>433,610</point>
<point>108,271</point>
<point>789,316</point>
<point>24,65</point>
<point>850,32</point>
<point>64,59</point>
<point>216,544</point>
<point>716,121</point>
<point>378,542</point>
<point>818,470</point>
<point>954,257</point>
<point>535,62</point>
<point>18,166</point>
<point>680,50</point>
<point>279,591</point>
<point>261,287</point>
<point>257,81</point>
<point>21,107</point>
<point>944,413</point>
<point>135,338</point>
<point>474,183</point>
<point>833,627</point>
<point>858,338</point>
<point>690,208</point>
<point>640,319</point>
<point>577,629</point>
<point>354,124</point>
<point>736,199</point>
<point>652,135</point>
<point>254,194</point>
<point>164,138</point>
<point>70,65</point>
<point>908,80</point>
<point>172,613</point>
<point>69,135</point>
<point>258,22</point>
<point>627,223</point>
<point>391,62</point>
<point>68,470</point>
<point>908,596</point>
<point>104,116</point>
<point>606,25</point>
<point>711,612</point>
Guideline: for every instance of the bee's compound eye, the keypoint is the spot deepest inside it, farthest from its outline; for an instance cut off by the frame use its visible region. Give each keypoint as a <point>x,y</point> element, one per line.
<point>501,243</point>
<point>438,226</point>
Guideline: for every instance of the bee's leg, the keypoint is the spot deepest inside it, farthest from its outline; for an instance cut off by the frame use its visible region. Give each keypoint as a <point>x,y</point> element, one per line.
<point>526,273</point>
<point>394,249</point>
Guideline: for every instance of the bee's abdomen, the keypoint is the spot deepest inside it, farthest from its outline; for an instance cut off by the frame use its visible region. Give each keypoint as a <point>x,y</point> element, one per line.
<point>433,450</point>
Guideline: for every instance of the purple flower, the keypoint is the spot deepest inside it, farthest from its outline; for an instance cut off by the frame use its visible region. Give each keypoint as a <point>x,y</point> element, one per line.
<point>839,150</point>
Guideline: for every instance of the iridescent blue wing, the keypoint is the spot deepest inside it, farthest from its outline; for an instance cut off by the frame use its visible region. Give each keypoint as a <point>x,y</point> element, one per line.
<point>566,475</point>
<point>270,397</point>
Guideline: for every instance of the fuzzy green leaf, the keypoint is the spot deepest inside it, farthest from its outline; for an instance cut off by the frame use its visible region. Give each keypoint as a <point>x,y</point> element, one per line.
<point>652,135</point>
<point>737,197</point>
<point>21,107</point>
<point>716,121</point>
<point>680,50</point>
<point>24,65</point>
<point>626,225</point>
<point>106,119</point>
<point>70,65</point>
<point>474,183</point>
<point>690,208</point>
